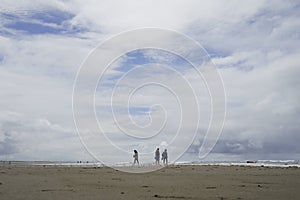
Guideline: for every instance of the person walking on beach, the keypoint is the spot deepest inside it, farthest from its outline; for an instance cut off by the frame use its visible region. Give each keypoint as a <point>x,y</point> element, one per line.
<point>135,157</point>
<point>157,155</point>
<point>164,157</point>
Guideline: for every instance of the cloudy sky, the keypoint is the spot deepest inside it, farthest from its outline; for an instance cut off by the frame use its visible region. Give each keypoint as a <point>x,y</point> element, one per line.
<point>253,44</point>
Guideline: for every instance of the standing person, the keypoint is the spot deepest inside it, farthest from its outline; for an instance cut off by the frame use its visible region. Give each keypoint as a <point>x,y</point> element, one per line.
<point>136,157</point>
<point>157,155</point>
<point>164,157</point>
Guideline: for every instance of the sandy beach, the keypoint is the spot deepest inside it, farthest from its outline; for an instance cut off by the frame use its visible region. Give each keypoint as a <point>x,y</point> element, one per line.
<point>172,182</point>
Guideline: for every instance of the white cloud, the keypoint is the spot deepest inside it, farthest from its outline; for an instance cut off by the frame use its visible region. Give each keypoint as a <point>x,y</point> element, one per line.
<point>255,44</point>
<point>36,139</point>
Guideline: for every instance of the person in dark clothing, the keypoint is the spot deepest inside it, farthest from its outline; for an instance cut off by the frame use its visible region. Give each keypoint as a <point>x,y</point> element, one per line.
<point>157,155</point>
<point>164,157</point>
<point>135,157</point>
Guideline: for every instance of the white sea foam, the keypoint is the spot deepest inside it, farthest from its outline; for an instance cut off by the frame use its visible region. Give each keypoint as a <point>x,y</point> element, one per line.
<point>256,163</point>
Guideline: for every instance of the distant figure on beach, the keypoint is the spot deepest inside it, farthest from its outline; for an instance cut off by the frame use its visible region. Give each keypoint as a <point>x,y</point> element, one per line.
<point>135,157</point>
<point>157,155</point>
<point>164,157</point>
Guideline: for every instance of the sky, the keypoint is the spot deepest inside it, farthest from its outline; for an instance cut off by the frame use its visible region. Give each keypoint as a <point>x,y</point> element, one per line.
<point>254,46</point>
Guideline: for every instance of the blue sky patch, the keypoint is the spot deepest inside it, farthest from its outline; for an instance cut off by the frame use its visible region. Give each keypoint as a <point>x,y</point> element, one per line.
<point>53,16</point>
<point>140,57</point>
<point>46,22</point>
<point>33,28</point>
<point>133,58</point>
<point>138,110</point>
<point>8,16</point>
<point>214,53</point>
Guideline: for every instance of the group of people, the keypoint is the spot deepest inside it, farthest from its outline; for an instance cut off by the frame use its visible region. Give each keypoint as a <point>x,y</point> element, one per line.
<point>164,157</point>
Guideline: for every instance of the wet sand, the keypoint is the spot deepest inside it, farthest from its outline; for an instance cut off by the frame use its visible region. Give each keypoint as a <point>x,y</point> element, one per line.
<point>173,182</point>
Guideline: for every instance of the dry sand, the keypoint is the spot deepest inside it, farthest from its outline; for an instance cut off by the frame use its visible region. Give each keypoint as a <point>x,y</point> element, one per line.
<point>173,182</point>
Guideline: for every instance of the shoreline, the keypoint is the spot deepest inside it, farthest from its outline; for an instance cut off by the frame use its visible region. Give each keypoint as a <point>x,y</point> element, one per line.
<point>294,164</point>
